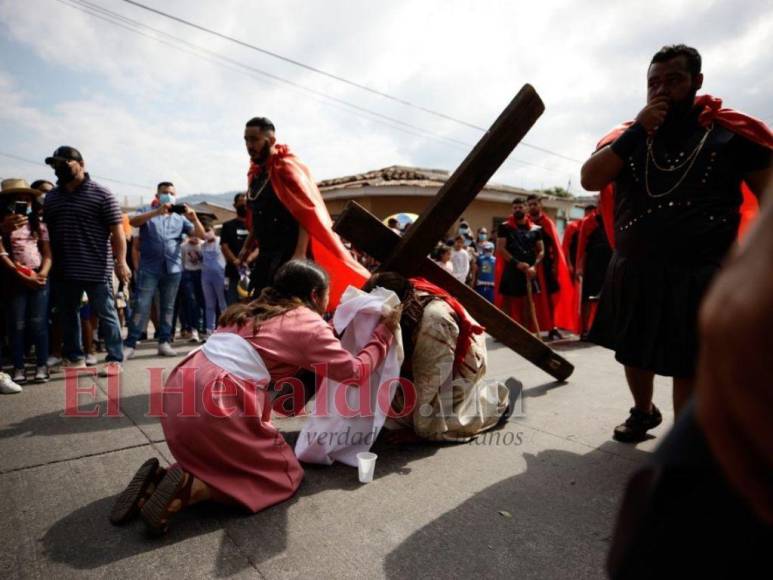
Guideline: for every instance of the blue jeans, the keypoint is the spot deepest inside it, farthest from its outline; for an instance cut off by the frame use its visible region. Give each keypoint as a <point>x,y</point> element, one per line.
<point>101,301</point>
<point>213,285</point>
<point>191,301</point>
<point>28,316</point>
<point>147,283</point>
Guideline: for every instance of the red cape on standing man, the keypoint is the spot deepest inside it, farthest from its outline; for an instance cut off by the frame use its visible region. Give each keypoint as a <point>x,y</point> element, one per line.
<point>288,218</point>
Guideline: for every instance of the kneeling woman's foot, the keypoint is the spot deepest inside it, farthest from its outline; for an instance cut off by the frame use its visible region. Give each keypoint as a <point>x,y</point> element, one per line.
<point>140,488</point>
<point>177,490</point>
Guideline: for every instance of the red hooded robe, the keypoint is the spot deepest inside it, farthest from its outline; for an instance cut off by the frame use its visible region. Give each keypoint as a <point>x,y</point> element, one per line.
<point>296,189</point>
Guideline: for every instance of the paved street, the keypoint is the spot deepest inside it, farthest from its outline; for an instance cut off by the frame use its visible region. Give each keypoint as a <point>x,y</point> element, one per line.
<point>542,506</point>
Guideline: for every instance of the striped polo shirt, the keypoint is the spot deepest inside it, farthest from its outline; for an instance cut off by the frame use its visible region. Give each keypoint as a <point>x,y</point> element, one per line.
<point>79,228</point>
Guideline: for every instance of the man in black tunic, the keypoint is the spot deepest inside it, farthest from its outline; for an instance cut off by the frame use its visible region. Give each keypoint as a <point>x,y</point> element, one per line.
<point>677,182</point>
<point>520,249</point>
<point>274,230</point>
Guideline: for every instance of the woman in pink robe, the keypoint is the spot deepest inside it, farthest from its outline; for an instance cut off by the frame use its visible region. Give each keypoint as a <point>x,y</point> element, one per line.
<point>217,423</point>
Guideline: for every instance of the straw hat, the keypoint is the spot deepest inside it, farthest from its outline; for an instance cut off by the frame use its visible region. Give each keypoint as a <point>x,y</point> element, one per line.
<point>16,186</point>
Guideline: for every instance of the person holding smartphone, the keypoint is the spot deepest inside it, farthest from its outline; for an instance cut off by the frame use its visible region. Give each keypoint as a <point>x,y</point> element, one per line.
<point>162,226</point>
<point>26,256</point>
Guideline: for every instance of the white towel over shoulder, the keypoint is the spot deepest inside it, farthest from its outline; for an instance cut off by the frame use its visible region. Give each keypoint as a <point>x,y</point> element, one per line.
<point>335,437</point>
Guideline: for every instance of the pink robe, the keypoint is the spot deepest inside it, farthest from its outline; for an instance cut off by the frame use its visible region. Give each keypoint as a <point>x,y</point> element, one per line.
<point>243,457</point>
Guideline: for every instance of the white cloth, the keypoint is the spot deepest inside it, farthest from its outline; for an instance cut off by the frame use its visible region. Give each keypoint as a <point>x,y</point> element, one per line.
<point>234,354</point>
<point>460,259</point>
<point>335,437</point>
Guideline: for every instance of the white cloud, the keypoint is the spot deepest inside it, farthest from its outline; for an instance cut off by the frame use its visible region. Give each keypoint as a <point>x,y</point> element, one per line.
<point>163,114</point>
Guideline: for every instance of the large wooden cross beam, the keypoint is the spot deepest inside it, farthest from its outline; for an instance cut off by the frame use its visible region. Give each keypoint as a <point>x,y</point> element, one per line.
<point>408,255</point>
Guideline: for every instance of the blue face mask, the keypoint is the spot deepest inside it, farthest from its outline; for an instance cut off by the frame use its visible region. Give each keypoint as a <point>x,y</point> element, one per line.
<point>483,237</point>
<point>166,198</point>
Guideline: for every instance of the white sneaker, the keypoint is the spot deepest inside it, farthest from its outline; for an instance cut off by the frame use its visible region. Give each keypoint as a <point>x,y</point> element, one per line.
<point>53,361</point>
<point>128,352</point>
<point>19,376</point>
<point>7,386</point>
<point>78,364</point>
<point>111,368</point>
<point>194,336</point>
<point>91,360</point>
<point>41,374</point>
<point>165,349</point>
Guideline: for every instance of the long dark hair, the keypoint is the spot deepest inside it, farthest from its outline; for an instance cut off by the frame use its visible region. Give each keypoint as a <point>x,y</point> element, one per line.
<point>293,286</point>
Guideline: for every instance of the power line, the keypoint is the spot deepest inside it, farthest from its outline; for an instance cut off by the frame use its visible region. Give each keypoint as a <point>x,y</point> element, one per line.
<point>30,161</point>
<point>136,26</point>
<point>334,76</point>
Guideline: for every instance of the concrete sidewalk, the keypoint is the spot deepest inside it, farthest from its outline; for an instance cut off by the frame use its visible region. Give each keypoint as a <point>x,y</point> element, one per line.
<point>538,501</point>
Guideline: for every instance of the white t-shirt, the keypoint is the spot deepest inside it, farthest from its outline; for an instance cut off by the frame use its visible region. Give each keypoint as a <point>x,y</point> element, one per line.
<point>191,253</point>
<point>461,264</point>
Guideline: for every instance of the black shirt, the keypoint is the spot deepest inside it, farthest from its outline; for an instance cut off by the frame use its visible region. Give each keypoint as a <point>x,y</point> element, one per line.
<point>273,225</point>
<point>233,234</point>
<point>688,215</point>
<point>521,242</point>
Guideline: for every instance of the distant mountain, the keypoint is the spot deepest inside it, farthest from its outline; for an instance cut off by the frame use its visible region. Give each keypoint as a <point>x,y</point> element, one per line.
<point>225,199</point>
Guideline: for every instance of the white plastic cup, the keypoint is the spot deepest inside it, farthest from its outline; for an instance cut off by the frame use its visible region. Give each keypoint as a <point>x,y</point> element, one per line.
<point>366,465</point>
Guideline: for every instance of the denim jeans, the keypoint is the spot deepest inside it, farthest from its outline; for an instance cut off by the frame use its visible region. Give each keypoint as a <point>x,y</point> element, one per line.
<point>101,301</point>
<point>213,285</point>
<point>147,283</point>
<point>191,301</point>
<point>28,317</point>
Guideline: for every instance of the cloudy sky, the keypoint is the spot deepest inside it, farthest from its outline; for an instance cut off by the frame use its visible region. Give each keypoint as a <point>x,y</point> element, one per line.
<point>143,102</point>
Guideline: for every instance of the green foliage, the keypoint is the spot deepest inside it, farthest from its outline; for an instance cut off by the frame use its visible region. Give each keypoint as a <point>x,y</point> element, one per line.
<point>556,192</point>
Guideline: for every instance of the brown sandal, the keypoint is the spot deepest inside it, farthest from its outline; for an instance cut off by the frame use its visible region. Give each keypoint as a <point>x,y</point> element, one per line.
<point>176,485</point>
<point>130,500</point>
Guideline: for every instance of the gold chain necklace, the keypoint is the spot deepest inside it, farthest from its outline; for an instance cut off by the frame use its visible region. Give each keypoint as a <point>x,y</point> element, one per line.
<point>689,161</point>
<point>253,197</point>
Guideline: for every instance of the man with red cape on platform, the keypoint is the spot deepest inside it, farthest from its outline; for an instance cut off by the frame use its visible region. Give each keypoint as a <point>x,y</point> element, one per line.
<point>288,218</point>
<point>675,189</point>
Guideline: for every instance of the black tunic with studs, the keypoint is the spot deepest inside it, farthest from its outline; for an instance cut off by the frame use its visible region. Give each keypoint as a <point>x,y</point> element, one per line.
<point>275,230</point>
<point>677,203</point>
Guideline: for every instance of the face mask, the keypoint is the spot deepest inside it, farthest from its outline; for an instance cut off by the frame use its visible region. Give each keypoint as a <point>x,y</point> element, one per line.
<point>241,211</point>
<point>166,198</point>
<point>464,231</point>
<point>519,215</point>
<point>64,173</point>
<point>483,237</point>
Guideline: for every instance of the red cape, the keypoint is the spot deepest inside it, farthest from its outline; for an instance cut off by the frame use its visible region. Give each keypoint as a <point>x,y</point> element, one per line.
<point>748,127</point>
<point>296,189</point>
<point>571,232</point>
<point>560,308</point>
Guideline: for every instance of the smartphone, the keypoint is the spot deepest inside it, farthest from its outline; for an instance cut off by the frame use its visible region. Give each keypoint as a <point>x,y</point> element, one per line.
<point>179,208</point>
<point>20,208</point>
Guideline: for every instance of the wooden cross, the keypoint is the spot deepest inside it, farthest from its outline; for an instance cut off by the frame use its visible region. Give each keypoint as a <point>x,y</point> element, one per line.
<point>408,254</point>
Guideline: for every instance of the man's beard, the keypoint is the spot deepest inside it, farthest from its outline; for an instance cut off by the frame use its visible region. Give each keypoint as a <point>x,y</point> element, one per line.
<point>519,215</point>
<point>263,154</point>
<point>679,110</point>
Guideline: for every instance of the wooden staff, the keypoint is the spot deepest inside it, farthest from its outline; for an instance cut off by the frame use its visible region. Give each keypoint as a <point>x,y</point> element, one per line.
<point>532,309</point>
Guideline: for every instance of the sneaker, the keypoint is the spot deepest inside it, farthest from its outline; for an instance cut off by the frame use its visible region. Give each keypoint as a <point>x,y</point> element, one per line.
<point>53,361</point>
<point>41,374</point>
<point>91,360</point>
<point>75,364</point>
<point>635,428</point>
<point>194,337</point>
<point>128,352</point>
<point>7,386</point>
<point>165,349</point>
<point>19,377</point>
<point>110,369</point>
